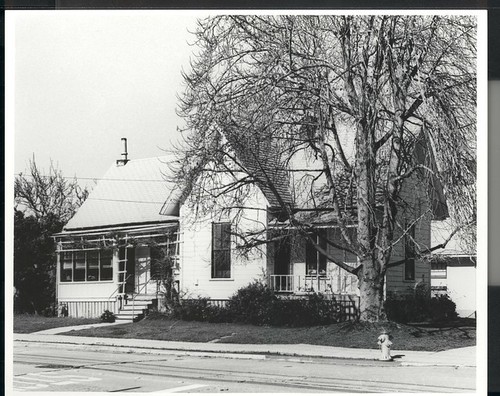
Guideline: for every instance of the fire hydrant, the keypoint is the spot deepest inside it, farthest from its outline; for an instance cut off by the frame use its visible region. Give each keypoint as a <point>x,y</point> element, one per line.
<point>385,346</point>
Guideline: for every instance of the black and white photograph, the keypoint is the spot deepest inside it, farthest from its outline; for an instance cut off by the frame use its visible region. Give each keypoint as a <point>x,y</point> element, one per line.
<point>246,202</point>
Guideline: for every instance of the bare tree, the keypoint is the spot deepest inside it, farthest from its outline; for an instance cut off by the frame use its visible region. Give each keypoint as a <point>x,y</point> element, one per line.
<point>44,203</point>
<point>47,194</point>
<point>367,103</point>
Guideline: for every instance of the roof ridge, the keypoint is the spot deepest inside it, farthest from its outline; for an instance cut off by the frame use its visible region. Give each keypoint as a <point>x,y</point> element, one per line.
<point>145,159</point>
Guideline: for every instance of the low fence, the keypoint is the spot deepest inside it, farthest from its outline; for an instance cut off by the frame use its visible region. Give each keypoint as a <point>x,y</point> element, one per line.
<point>221,303</point>
<point>87,308</point>
<point>347,307</point>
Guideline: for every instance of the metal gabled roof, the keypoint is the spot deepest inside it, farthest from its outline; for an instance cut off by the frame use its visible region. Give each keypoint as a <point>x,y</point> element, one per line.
<point>134,193</point>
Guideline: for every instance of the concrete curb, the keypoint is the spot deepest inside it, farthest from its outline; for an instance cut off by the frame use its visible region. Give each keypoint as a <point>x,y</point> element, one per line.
<point>462,357</point>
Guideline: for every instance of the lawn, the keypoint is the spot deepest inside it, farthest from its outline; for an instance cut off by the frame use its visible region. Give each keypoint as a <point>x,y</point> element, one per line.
<point>350,335</point>
<point>25,323</point>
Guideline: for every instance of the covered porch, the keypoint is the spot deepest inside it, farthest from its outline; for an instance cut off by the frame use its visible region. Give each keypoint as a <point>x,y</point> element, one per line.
<point>109,268</point>
<point>295,266</point>
<point>309,284</point>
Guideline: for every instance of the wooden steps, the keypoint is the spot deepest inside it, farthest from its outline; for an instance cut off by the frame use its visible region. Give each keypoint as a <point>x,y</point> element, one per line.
<point>135,308</point>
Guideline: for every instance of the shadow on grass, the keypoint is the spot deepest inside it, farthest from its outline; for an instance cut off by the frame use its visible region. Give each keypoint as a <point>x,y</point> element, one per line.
<point>464,327</point>
<point>29,323</point>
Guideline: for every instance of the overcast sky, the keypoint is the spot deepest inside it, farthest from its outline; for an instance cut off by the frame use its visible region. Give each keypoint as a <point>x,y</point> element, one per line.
<point>83,80</point>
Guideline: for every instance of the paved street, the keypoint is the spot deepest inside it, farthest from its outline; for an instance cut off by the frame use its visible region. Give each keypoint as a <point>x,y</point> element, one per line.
<point>63,367</point>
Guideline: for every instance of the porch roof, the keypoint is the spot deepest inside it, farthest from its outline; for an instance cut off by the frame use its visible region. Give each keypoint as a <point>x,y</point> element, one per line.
<point>129,229</point>
<point>131,194</point>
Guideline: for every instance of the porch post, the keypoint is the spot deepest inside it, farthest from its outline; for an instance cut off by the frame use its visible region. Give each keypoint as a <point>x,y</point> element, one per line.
<point>115,258</point>
<point>58,273</point>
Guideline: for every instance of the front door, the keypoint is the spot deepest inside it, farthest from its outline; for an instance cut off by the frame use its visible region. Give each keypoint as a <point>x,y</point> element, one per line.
<point>127,262</point>
<point>282,257</point>
<point>282,265</point>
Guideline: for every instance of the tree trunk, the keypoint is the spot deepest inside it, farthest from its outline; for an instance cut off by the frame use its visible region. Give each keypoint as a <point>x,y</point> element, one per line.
<point>370,276</point>
<point>371,289</point>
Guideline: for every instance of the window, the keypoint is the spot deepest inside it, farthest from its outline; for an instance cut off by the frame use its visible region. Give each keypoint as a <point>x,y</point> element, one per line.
<point>79,267</point>
<point>93,265</point>
<point>66,266</point>
<point>438,270</point>
<point>315,261</point>
<point>410,253</point>
<point>86,265</point>
<point>106,264</point>
<point>221,250</point>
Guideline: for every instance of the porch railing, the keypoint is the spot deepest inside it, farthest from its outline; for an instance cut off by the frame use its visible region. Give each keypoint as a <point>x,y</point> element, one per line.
<point>300,283</point>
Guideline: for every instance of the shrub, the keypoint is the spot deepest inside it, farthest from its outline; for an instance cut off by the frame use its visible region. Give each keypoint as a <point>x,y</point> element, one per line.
<point>157,315</point>
<point>257,304</point>
<point>410,308</point>
<point>313,310</point>
<point>200,310</point>
<point>108,317</point>
<point>403,309</point>
<point>50,311</point>
<point>193,309</point>
<point>219,315</point>
<point>442,308</point>
<point>254,304</point>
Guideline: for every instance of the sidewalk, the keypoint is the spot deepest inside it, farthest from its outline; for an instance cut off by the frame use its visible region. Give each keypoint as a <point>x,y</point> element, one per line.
<point>58,330</point>
<point>461,357</point>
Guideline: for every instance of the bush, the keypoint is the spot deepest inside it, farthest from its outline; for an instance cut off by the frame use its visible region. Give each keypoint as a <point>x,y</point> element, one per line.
<point>410,308</point>
<point>311,311</point>
<point>254,304</point>
<point>200,310</point>
<point>257,304</point>
<point>108,317</point>
<point>404,309</point>
<point>157,315</point>
<point>50,311</point>
<point>442,308</point>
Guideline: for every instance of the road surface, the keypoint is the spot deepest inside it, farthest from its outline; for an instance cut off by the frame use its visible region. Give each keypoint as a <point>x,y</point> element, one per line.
<point>71,368</point>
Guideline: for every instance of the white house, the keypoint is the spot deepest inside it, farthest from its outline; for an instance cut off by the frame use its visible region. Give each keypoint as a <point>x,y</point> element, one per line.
<point>107,250</point>
<point>453,269</point>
